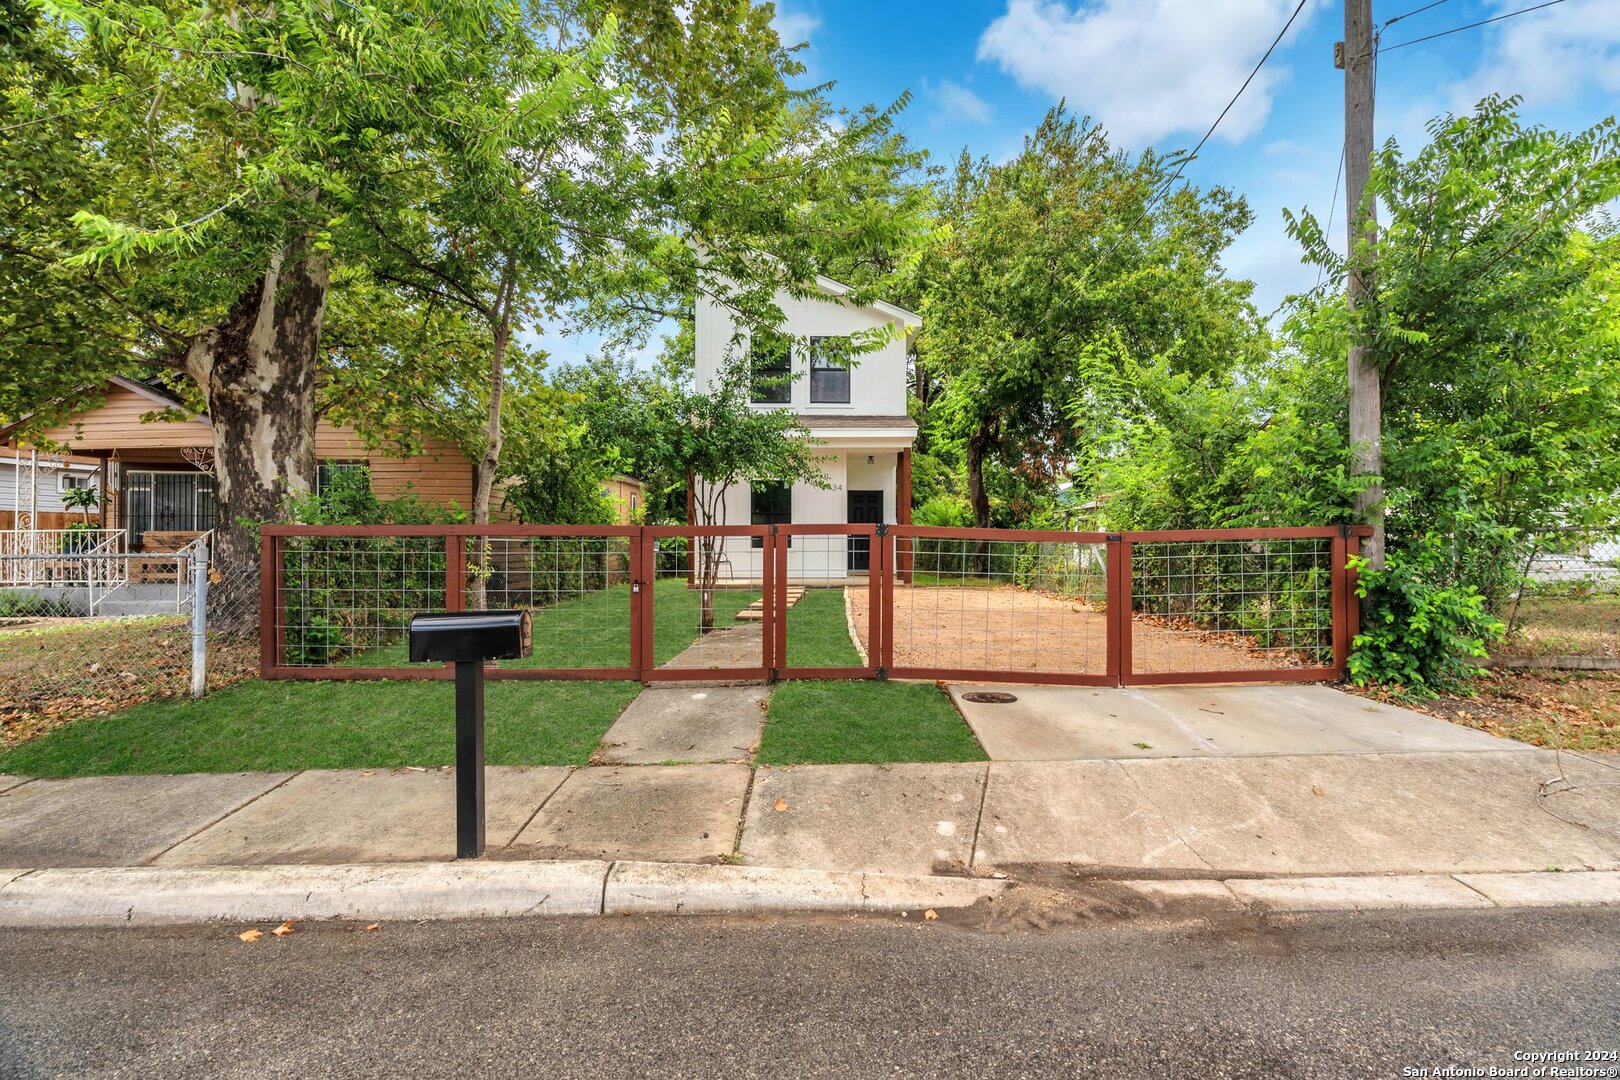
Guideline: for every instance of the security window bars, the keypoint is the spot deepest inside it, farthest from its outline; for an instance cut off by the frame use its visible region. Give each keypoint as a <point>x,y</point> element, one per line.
<point>327,471</point>
<point>770,360</point>
<point>829,380</point>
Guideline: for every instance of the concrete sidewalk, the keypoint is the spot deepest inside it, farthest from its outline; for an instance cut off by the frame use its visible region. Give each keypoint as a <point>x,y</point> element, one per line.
<point>1323,814</point>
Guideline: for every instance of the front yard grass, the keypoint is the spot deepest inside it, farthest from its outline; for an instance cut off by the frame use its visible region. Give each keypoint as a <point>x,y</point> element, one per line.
<point>855,721</point>
<point>818,631</point>
<point>274,726</point>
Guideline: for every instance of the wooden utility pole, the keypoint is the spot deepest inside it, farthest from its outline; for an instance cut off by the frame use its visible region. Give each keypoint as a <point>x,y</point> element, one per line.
<point>1366,405</point>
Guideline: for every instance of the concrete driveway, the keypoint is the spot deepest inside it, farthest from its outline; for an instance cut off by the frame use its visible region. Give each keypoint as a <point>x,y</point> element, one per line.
<point>1069,723</point>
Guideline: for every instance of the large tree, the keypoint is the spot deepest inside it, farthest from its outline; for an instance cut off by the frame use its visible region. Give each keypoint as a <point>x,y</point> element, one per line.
<point>195,175</point>
<point>1068,244</point>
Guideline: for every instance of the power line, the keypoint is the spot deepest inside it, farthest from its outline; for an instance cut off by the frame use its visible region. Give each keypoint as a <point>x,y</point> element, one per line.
<point>1160,191</point>
<point>1333,206</point>
<point>1414,11</point>
<point>1472,25</point>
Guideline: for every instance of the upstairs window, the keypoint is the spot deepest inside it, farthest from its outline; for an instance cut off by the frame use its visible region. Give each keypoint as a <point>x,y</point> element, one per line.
<point>769,359</point>
<point>829,379</point>
<point>770,503</point>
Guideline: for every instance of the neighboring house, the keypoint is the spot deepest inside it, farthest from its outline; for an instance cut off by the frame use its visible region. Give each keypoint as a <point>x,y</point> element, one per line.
<point>627,495</point>
<point>156,475</point>
<point>857,414</point>
<point>32,483</point>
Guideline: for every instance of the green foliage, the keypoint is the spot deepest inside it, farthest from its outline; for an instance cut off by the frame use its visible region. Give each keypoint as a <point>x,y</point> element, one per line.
<point>1491,316</point>
<point>1039,260</point>
<point>17,604</point>
<point>1420,630</point>
<point>347,499</point>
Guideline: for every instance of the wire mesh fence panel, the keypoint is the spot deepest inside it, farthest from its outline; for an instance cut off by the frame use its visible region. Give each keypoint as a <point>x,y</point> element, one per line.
<point>63,658</point>
<point>1020,607</point>
<point>1575,560</point>
<point>577,589</point>
<point>346,601</point>
<point>827,579</point>
<point>708,602</point>
<point>1239,605</point>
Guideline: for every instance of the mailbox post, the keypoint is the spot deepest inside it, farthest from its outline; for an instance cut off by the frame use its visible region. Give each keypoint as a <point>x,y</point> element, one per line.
<point>467,639</point>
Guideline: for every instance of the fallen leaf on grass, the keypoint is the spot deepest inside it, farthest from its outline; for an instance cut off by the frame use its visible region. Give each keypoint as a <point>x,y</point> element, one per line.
<point>930,915</point>
<point>284,929</point>
<point>781,805</point>
<point>251,935</point>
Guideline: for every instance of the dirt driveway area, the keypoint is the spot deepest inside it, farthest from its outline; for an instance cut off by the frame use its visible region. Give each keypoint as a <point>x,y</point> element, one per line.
<point>1007,629</point>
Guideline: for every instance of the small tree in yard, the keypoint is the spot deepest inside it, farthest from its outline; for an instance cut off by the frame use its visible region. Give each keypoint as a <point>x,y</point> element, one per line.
<point>723,442</point>
<point>84,500</point>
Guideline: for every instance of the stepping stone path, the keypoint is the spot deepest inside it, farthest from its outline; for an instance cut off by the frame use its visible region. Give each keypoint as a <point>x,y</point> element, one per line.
<point>756,611</point>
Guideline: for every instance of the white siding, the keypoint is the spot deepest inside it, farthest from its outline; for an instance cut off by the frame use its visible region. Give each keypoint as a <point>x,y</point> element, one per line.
<point>877,379</point>
<point>812,557</point>
<point>50,486</point>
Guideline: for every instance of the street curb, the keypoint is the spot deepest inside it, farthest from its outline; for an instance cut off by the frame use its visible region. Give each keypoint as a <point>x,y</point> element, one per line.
<point>158,896</point>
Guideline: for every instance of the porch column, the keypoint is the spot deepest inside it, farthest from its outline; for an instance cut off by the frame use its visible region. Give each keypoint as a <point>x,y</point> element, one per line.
<point>902,514</point>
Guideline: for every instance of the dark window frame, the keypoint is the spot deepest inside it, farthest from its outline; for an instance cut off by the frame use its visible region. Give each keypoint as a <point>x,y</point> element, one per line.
<point>777,377</point>
<point>324,468</point>
<point>781,514</point>
<point>827,377</point>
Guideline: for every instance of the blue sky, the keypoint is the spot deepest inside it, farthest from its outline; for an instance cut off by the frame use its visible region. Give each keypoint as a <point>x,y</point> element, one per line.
<point>1158,72</point>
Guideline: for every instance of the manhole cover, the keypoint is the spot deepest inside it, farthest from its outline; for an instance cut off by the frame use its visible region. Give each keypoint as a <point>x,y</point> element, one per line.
<point>990,697</point>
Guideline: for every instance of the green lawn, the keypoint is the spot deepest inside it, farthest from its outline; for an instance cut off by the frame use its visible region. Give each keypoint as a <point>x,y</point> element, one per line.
<point>866,722</point>
<point>258,725</point>
<point>593,630</point>
<point>818,631</point>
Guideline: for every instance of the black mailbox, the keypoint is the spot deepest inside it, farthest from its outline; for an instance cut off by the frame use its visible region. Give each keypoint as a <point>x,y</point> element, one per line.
<point>469,638</point>
<point>471,635</point>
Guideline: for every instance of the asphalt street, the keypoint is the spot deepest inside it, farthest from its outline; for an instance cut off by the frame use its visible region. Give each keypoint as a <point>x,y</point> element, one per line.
<point>1050,994</point>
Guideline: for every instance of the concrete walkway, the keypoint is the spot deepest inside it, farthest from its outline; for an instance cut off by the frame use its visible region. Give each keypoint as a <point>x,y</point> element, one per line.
<point>1370,813</point>
<point>685,723</point>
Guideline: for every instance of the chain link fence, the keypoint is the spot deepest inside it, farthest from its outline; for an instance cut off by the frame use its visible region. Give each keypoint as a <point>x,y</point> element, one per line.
<point>82,634</point>
<point>1575,559</point>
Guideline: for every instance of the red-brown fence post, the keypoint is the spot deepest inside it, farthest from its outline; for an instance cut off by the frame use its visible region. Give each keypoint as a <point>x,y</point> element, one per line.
<point>269,601</point>
<point>455,573</point>
<point>770,611</point>
<point>778,546</point>
<point>1119,608</point>
<point>638,602</point>
<point>1339,558</point>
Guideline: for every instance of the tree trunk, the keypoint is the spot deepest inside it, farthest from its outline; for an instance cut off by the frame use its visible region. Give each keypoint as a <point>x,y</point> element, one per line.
<point>256,369</point>
<point>489,463</point>
<point>978,444</point>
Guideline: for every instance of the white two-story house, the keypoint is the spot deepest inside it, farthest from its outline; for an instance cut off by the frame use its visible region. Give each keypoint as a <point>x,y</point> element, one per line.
<point>857,414</point>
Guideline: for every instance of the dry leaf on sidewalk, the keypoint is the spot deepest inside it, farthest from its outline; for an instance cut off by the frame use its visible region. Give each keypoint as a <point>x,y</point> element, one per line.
<point>930,915</point>
<point>373,928</point>
<point>781,805</point>
<point>1316,789</point>
<point>284,929</point>
<point>251,935</point>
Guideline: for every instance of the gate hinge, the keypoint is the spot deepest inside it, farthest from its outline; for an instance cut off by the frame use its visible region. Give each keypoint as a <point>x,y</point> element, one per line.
<point>1345,531</point>
<point>774,675</point>
<point>883,528</point>
<point>881,673</point>
<point>1114,538</point>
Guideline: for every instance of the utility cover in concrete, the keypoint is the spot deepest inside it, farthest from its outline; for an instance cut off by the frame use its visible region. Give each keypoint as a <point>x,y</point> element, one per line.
<point>116,820</point>
<point>367,816</point>
<point>1075,723</point>
<point>897,819</point>
<point>687,724</point>
<point>676,813</point>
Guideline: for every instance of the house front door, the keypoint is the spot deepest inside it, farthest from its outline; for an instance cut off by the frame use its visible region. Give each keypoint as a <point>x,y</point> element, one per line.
<point>865,508</point>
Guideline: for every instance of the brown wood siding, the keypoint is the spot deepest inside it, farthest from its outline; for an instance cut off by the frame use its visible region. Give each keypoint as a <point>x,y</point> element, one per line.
<point>117,425</point>
<point>441,474</point>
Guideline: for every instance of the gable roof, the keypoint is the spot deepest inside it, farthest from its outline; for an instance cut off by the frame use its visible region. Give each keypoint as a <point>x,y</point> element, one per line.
<point>837,288</point>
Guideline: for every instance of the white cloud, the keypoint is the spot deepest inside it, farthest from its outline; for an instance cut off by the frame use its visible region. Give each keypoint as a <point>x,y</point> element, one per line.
<point>957,102</point>
<point>1146,68</point>
<point>1549,56</point>
<point>794,27</point>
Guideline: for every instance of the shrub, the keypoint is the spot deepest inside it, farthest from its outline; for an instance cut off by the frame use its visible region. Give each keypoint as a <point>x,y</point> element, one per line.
<point>16,604</point>
<point>1421,632</point>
